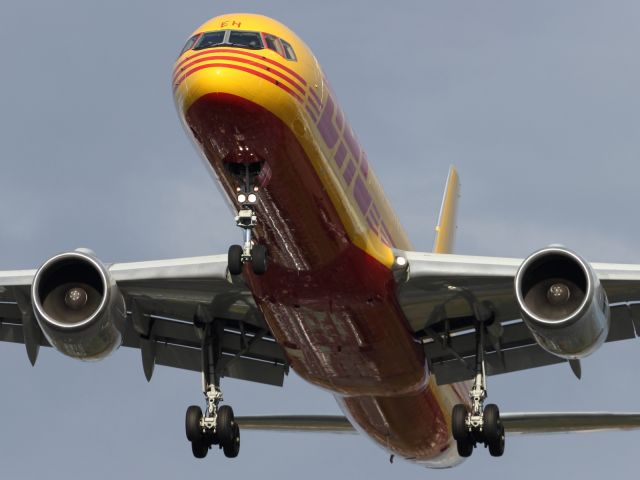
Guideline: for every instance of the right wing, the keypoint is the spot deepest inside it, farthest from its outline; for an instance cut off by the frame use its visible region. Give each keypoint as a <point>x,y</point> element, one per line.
<point>440,293</point>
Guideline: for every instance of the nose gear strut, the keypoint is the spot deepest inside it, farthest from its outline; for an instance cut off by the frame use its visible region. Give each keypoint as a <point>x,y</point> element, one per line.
<point>480,424</point>
<point>247,219</point>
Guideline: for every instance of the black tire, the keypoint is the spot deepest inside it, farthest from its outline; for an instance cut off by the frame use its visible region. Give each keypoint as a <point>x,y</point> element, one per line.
<point>259,259</point>
<point>232,449</point>
<point>235,260</point>
<point>199,448</point>
<point>225,425</point>
<point>492,426</point>
<point>465,447</point>
<point>458,425</point>
<point>192,423</point>
<point>496,449</point>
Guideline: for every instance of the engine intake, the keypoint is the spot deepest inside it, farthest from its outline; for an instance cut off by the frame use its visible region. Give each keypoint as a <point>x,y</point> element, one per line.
<point>78,306</point>
<point>562,303</point>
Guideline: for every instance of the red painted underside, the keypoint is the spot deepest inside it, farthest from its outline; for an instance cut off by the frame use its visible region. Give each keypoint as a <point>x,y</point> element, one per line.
<point>330,305</point>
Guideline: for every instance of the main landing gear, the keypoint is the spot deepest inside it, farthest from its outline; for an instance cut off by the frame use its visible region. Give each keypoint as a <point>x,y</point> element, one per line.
<point>217,425</point>
<point>247,219</point>
<point>480,425</point>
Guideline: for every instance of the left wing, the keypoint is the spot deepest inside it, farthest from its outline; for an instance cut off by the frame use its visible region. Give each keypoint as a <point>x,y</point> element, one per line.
<point>163,300</point>
<point>442,295</point>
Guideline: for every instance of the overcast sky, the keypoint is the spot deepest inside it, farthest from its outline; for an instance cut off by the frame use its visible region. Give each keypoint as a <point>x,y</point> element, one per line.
<point>536,103</point>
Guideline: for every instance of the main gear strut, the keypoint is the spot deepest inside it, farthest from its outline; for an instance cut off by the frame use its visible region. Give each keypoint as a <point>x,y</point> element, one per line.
<point>479,424</point>
<point>217,426</point>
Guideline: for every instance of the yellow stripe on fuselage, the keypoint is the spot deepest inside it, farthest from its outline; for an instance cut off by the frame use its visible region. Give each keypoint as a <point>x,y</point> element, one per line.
<point>273,82</point>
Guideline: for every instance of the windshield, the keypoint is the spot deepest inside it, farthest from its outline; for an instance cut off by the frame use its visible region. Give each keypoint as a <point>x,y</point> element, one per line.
<point>232,38</point>
<point>210,39</point>
<point>245,39</point>
<point>241,39</point>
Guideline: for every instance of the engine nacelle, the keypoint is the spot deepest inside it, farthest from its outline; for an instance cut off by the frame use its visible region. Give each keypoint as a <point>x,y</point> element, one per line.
<point>562,303</point>
<point>78,306</point>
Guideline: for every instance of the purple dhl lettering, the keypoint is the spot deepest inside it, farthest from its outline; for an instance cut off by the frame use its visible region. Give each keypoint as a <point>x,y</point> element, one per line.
<point>352,143</point>
<point>364,165</point>
<point>340,155</point>
<point>339,119</point>
<point>313,106</point>
<point>386,234</point>
<point>349,172</point>
<point>362,195</point>
<point>316,97</point>
<point>375,213</point>
<point>325,125</point>
<point>311,113</point>
<point>372,226</point>
<point>316,105</point>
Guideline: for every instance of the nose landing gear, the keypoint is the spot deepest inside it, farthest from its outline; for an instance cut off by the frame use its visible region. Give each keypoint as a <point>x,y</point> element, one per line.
<point>480,424</point>
<point>248,252</point>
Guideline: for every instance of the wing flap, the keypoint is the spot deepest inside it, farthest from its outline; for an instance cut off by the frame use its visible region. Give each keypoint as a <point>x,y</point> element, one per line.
<point>451,354</point>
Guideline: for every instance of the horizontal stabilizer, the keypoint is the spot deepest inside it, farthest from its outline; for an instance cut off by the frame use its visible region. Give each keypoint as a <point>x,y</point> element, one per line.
<point>514,423</point>
<point>568,422</point>
<point>297,423</point>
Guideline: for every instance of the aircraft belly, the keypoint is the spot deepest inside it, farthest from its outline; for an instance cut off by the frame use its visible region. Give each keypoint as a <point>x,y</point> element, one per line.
<point>329,303</point>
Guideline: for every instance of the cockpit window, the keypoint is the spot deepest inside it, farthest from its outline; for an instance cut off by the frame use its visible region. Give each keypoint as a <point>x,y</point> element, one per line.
<point>272,43</point>
<point>210,39</point>
<point>189,44</point>
<point>239,38</point>
<point>289,53</point>
<point>242,39</point>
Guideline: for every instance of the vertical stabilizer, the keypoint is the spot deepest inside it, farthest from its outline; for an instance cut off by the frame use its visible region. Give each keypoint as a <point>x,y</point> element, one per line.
<point>446,227</point>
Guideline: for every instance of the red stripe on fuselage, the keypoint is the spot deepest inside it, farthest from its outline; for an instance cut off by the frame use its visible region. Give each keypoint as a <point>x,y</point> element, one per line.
<point>248,62</point>
<point>240,51</point>
<point>332,306</point>
<point>237,67</point>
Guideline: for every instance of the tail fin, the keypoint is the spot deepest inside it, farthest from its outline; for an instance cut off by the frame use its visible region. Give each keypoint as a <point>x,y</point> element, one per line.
<point>446,228</point>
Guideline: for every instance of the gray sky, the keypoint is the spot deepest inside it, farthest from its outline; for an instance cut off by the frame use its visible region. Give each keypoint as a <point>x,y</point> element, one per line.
<point>536,103</point>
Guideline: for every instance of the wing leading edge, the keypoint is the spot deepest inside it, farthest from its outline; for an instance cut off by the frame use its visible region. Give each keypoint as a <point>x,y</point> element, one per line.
<point>165,299</point>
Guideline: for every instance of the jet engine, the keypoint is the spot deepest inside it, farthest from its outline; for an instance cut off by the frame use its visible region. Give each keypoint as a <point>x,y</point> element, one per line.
<point>78,305</point>
<point>562,303</point>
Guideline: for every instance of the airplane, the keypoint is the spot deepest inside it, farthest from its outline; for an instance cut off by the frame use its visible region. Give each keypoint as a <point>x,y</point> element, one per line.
<point>325,281</point>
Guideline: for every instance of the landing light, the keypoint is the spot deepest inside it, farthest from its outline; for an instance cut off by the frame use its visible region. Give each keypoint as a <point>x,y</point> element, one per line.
<point>401,261</point>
